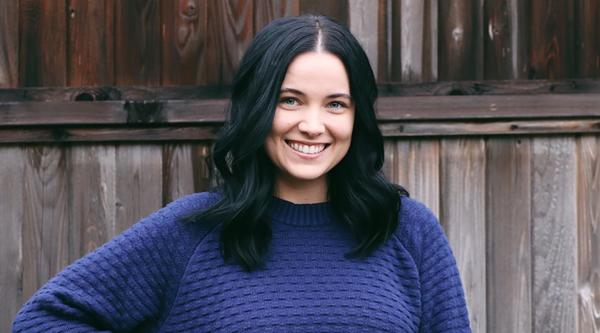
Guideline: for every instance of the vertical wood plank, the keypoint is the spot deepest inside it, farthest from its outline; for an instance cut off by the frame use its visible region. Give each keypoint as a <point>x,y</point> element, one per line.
<point>364,25</point>
<point>552,39</point>
<point>137,43</point>
<point>508,198</point>
<point>9,43</point>
<point>383,37</point>
<point>336,9</point>
<point>412,21</point>
<point>505,42</point>
<point>46,218</point>
<point>587,38</point>
<point>458,39</point>
<point>178,172</point>
<point>11,219</point>
<point>91,43</point>
<point>463,218</point>
<point>183,31</point>
<point>588,232</point>
<point>395,40</point>
<point>419,162</point>
<point>138,183</point>
<point>43,43</point>
<point>554,234</point>
<point>266,11</point>
<point>430,41</point>
<point>93,198</point>
<point>392,168</point>
<point>185,170</point>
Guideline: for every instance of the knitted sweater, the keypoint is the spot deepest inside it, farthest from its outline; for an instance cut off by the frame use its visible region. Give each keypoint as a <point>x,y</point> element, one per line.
<point>165,275</point>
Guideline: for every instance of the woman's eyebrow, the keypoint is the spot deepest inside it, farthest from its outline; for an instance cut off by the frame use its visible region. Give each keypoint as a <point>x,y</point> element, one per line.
<point>298,92</point>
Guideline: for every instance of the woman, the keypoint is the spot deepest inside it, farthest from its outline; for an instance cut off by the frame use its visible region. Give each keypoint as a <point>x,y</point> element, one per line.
<point>303,235</point>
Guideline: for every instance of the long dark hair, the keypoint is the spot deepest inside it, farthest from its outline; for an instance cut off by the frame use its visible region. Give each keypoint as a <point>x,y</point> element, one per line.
<point>359,193</point>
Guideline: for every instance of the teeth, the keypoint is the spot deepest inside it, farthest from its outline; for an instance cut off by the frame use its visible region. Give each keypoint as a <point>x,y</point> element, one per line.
<point>306,149</point>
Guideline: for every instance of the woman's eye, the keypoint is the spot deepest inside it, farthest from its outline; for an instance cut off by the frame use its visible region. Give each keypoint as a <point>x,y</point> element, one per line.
<point>337,105</point>
<point>289,101</point>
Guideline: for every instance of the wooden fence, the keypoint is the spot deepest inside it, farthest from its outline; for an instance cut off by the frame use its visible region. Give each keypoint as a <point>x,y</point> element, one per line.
<point>512,169</point>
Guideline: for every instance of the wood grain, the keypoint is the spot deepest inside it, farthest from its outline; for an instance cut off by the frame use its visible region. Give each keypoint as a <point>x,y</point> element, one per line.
<point>508,236</point>
<point>9,43</point>
<point>42,43</point>
<point>390,163</point>
<point>458,42</point>
<point>178,171</point>
<point>412,40</point>
<point>505,39</point>
<point>587,38</point>
<point>137,42</point>
<point>552,39</point>
<point>419,161</point>
<point>462,184</point>
<point>91,43</point>
<point>588,234</point>
<point>266,11</point>
<point>92,198</point>
<point>363,25</point>
<point>383,40</point>
<point>554,218</point>
<point>138,183</point>
<point>11,246</point>
<point>336,9</point>
<point>46,217</point>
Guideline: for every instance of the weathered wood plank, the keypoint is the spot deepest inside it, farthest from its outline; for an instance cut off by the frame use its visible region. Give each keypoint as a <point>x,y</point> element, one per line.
<point>11,245</point>
<point>588,231</point>
<point>506,52</point>
<point>430,41</point>
<point>137,43</point>
<point>419,162</point>
<point>46,217</point>
<point>363,25</point>
<point>93,198</point>
<point>9,44</point>
<point>463,217</point>
<point>552,41</point>
<point>336,9</point>
<point>42,43</point>
<point>390,163</point>
<point>554,218</point>
<point>587,38</point>
<point>90,43</point>
<point>138,183</point>
<point>178,171</point>
<point>508,225</point>
<point>267,10</point>
<point>458,32</point>
<point>383,37</point>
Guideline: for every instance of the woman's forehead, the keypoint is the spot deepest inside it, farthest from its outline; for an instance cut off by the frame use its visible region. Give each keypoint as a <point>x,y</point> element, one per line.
<point>317,71</point>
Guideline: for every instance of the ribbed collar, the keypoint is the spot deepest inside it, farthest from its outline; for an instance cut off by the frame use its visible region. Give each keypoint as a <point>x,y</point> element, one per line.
<point>301,214</point>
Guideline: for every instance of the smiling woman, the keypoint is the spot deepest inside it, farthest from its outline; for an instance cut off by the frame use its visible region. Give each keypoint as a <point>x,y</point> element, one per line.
<point>304,233</point>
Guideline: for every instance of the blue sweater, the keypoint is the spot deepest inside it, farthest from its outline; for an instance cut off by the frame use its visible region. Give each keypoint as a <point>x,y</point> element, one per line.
<point>164,275</point>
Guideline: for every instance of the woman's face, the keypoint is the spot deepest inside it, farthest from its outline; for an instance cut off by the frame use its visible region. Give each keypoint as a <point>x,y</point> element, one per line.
<point>312,127</point>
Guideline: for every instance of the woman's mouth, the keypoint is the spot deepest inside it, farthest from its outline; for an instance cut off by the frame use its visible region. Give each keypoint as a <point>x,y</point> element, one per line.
<point>307,149</point>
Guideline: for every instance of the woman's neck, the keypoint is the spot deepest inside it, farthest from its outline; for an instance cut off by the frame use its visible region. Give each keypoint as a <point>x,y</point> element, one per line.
<point>301,192</point>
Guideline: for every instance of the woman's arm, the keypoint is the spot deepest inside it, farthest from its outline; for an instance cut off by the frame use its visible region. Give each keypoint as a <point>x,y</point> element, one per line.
<point>126,283</point>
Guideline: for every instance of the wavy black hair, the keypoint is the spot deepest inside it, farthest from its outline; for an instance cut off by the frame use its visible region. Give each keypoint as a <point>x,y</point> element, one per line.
<point>359,193</point>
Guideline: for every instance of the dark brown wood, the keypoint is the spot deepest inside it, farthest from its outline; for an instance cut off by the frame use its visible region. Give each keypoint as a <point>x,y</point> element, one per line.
<point>382,69</point>
<point>554,238</point>
<point>336,9</point>
<point>458,43</point>
<point>588,234</point>
<point>396,41</point>
<point>46,218</point>
<point>11,245</point>
<point>43,43</point>
<point>430,42</point>
<point>508,236</point>
<point>552,39</point>
<point>9,44</point>
<point>587,38</point>
<point>91,43</point>
<point>266,11</point>
<point>178,171</point>
<point>505,40</point>
<point>137,42</point>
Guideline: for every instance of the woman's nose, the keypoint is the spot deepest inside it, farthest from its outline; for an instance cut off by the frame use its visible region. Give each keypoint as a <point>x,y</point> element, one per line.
<point>312,125</point>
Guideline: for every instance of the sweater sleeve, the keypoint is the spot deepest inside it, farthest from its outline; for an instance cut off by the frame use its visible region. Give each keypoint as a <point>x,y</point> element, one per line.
<point>443,306</point>
<point>124,284</point>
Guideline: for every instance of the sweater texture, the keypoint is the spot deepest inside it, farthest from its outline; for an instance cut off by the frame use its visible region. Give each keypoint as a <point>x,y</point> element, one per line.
<point>167,275</point>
